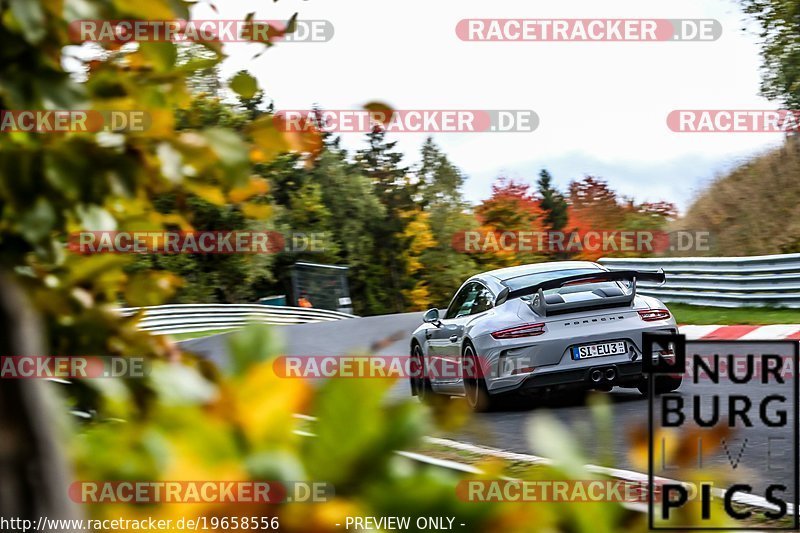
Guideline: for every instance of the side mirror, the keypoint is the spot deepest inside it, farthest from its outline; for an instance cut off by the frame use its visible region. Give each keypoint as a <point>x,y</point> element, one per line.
<point>431,316</point>
<point>502,297</point>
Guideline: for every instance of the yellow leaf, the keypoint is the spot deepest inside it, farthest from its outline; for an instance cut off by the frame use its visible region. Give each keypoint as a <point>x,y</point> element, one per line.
<point>267,139</point>
<point>157,123</point>
<point>256,186</point>
<point>266,403</point>
<point>307,141</point>
<point>150,9</point>
<point>209,193</point>
<point>150,288</point>
<point>257,211</point>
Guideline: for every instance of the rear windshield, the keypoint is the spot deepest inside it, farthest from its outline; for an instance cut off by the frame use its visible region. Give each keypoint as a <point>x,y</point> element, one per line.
<point>534,279</point>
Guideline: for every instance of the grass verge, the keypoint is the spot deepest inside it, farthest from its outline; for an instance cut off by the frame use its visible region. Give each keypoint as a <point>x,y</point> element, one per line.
<point>198,334</point>
<point>699,315</point>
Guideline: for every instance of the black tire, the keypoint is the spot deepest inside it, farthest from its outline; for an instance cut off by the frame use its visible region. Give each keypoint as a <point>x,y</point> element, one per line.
<point>664,384</point>
<point>477,394</point>
<point>421,383</point>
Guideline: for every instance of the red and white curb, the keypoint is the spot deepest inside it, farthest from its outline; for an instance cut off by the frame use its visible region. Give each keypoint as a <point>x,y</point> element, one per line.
<point>741,333</point>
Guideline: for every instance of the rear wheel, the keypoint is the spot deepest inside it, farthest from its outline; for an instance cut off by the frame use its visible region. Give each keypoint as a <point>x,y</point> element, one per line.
<point>477,394</point>
<point>663,384</point>
<point>421,381</point>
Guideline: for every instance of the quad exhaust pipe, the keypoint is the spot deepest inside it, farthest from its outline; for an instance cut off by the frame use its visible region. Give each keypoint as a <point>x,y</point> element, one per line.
<point>599,375</point>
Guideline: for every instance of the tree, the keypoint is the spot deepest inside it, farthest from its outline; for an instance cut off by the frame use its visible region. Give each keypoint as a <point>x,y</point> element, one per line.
<point>223,278</point>
<point>512,207</point>
<point>382,165</point>
<point>440,182</point>
<point>552,202</point>
<point>780,50</point>
<point>594,205</point>
<point>355,218</point>
<point>419,237</point>
<point>54,184</point>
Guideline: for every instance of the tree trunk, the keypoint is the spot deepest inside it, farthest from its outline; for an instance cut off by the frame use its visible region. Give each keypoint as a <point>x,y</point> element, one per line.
<point>34,477</point>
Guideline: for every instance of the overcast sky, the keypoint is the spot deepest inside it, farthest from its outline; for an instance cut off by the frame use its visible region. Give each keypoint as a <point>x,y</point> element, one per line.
<point>603,106</point>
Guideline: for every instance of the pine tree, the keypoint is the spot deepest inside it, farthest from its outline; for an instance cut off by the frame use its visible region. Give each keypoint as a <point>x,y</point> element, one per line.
<point>383,166</point>
<point>440,194</point>
<point>552,202</point>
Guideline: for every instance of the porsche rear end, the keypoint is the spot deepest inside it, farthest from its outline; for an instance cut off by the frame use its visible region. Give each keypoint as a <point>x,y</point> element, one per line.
<point>577,332</point>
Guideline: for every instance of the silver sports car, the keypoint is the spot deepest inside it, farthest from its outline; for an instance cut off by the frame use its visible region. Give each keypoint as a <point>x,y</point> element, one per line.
<point>540,328</point>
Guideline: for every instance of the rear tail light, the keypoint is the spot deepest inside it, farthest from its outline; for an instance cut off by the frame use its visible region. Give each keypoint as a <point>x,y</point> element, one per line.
<point>652,315</point>
<point>526,330</point>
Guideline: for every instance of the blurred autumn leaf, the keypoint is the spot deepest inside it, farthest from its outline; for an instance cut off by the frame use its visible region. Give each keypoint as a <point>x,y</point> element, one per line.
<point>380,111</point>
<point>244,85</point>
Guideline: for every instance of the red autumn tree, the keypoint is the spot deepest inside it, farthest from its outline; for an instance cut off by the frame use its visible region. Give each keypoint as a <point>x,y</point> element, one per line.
<point>512,207</point>
<point>594,206</point>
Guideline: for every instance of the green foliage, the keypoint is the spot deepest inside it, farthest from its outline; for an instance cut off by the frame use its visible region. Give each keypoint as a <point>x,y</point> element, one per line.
<point>440,183</point>
<point>351,459</point>
<point>552,202</point>
<point>752,210</point>
<point>191,158</point>
<point>780,49</point>
<point>396,192</point>
<point>244,84</point>
<point>355,217</point>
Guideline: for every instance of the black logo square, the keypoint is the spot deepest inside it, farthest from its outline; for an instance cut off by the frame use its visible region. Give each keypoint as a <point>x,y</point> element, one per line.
<point>673,364</point>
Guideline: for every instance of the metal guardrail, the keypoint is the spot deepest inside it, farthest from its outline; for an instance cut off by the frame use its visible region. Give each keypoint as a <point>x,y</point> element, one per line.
<point>757,281</point>
<point>192,318</point>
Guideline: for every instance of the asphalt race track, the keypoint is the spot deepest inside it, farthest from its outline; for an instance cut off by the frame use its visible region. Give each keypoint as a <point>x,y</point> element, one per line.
<point>508,429</point>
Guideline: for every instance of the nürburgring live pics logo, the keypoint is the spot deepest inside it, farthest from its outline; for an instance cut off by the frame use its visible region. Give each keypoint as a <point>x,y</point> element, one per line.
<point>746,391</point>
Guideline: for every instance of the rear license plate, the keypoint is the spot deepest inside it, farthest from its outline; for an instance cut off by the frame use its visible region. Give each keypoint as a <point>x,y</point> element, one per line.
<point>599,350</point>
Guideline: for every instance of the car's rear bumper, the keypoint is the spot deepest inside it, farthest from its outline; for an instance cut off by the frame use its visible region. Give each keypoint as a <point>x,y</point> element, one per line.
<point>624,374</point>
<point>506,362</point>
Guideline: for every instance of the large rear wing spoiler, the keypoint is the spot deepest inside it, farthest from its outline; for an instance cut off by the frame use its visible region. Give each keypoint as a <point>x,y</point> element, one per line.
<point>553,304</point>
